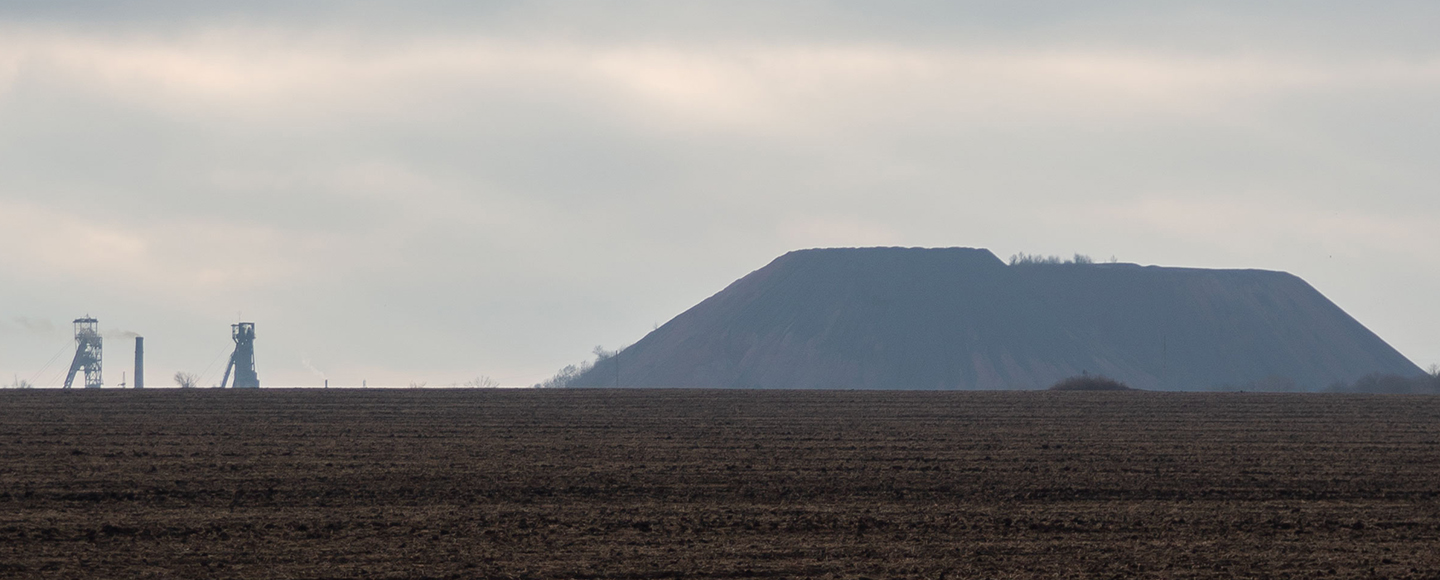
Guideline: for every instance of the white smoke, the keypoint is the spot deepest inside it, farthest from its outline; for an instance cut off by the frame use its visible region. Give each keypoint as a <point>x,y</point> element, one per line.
<point>36,327</point>
<point>305,360</point>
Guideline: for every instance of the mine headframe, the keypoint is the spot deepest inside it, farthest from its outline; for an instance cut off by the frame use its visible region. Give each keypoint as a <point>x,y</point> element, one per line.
<point>242,361</point>
<point>88,350</point>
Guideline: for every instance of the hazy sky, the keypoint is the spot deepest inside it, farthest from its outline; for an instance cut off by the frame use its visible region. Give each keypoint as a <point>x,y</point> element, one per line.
<point>429,191</point>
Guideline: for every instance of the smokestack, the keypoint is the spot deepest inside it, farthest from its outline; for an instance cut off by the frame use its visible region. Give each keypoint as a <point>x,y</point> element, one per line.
<point>139,362</point>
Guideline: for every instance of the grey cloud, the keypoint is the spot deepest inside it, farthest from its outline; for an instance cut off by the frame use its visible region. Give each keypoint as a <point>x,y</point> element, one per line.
<point>1211,23</point>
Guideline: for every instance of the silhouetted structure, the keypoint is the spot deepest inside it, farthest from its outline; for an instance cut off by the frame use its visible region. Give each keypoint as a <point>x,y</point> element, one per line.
<point>242,361</point>
<point>958,318</point>
<point>87,353</point>
<point>139,362</point>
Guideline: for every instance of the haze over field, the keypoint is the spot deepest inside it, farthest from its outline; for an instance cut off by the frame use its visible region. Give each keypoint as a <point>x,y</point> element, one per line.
<point>431,191</point>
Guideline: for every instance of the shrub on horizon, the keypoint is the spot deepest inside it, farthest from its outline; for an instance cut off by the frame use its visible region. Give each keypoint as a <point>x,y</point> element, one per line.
<point>1087,382</point>
<point>1390,384</point>
<point>1023,259</point>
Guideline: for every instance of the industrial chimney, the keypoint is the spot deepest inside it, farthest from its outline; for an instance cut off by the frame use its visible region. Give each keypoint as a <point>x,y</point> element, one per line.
<point>139,362</point>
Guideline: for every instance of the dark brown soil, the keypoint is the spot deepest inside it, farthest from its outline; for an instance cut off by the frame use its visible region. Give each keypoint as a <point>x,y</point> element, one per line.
<point>731,484</point>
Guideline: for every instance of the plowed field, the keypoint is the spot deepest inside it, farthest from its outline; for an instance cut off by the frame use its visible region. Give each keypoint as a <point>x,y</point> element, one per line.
<point>730,484</point>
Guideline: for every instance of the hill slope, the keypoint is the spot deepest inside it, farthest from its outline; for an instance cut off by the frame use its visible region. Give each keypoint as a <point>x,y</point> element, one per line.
<point>959,318</point>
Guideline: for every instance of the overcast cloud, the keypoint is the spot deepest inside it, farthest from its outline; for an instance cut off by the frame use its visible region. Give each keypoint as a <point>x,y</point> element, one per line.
<point>426,192</point>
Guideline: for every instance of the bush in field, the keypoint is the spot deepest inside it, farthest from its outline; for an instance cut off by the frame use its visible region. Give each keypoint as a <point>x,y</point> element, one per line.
<point>571,373</point>
<point>1090,383</point>
<point>1390,384</point>
<point>1271,384</point>
<point>563,378</point>
<point>186,380</point>
<point>483,382</point>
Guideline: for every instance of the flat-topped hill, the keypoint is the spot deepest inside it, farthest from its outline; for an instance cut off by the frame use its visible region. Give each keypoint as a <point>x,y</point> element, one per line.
<point>960,318</point>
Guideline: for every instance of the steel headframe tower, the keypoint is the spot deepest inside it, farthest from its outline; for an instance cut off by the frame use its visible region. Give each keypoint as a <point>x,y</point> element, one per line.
<point>242,361</point>
<point>87,353</point>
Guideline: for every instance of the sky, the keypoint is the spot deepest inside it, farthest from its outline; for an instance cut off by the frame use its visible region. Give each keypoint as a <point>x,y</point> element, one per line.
<point>427,192</point>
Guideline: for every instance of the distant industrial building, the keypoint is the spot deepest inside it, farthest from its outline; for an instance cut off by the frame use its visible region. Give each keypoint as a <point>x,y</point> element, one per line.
<point>242,361</point>
<point>88,351</point>
<point>89,356</point>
